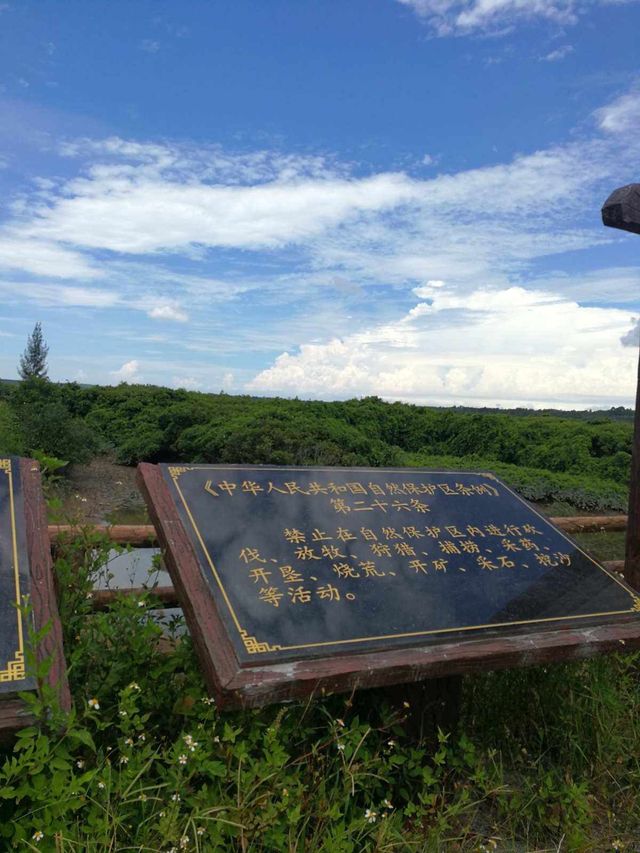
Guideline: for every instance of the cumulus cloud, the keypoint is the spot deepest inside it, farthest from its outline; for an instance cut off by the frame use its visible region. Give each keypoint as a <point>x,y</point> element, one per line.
<point>189,383</point>
<point>129,372</point>
<point>460,17</point>
<point>631,338</point>
<point>521,347</point>
<point>168,311</point>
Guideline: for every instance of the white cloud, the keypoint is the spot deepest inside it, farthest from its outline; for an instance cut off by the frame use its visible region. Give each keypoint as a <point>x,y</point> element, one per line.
<point>125,212</point>
<point>558,54</point>
<point>515,346</point>
<point>622,115</point>
<point>43,258</point>
<point>59,295</point>
<point>460,17</point>
<point>129,372</point>
<point>149,46</point>
<point>168,311</point>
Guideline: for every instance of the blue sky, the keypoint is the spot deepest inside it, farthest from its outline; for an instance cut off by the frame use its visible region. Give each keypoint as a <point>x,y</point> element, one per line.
<point>323,199</point>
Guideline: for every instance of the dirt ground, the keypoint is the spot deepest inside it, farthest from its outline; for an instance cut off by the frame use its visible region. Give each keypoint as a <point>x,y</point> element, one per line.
<point>101,492</point>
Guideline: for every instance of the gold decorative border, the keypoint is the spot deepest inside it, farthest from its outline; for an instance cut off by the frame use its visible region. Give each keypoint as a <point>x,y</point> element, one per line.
<point>255,646</point>
<point>15,670</point>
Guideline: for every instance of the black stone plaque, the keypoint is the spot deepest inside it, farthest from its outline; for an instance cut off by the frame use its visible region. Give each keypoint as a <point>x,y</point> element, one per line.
<point>14,582</point>
<point>317,562</point>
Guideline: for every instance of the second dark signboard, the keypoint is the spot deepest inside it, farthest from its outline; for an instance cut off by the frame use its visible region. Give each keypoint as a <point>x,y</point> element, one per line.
<point>312,564</point>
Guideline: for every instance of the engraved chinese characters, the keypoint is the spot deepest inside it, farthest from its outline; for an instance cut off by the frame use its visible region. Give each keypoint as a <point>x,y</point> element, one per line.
<point>14,582</point>
<point>310,562</point>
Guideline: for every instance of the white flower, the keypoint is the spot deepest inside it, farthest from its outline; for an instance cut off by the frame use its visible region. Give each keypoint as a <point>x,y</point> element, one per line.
<point>188,740</point>
<point>141,604</point>
<point>340,747</point>
<point>370,816</point>
<point>142,737</point>
<point>134,686</point>
<point>80,763</point>
<point>101,785</point>
<point>387,804</point>
<point>201,830</point>
<point>124,759</point>
<point>208,700</point>
<point>216,739</point>
<point>182,759</point>
<point>175,798</point>
<point>340,723</point>
<point>93,703</point>
<point>129,741</point>
<point>37,835</point>
<point>391,743</point>
<point>184,841</point>
<point>161,814</point>
<point>123,713</point>
<point>89,595</point>
<point>84,500</point>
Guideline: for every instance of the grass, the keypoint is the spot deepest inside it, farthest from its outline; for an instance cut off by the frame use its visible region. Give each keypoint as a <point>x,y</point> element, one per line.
<point>544,759</point>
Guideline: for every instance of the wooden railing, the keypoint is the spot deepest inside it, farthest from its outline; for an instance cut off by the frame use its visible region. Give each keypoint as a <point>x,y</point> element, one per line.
<point>144,535</point>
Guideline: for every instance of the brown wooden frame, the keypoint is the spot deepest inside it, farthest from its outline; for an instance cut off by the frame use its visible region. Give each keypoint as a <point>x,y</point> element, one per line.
<point>13,714</point>
<point>252,686</point>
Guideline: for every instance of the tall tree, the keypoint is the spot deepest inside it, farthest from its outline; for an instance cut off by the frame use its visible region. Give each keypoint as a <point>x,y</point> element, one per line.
<point>33,361</point>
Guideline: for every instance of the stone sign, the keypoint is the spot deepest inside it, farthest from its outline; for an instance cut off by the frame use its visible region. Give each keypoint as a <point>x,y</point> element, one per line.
<point>27,594</point>
<point>317,564</point>
<point>14,583</point>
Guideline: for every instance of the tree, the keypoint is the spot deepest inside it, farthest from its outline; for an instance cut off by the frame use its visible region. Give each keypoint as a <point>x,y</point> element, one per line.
<point>33,361</point>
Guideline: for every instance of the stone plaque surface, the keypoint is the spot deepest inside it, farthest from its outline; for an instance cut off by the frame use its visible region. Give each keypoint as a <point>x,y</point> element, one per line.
<point>318,562</point>
<point>14,581</point>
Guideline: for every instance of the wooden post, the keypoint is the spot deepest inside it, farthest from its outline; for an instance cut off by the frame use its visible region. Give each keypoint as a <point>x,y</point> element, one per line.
<point>622,210</point>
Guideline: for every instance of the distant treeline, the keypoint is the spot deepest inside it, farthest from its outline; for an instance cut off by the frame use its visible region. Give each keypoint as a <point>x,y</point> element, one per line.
<point>582,457</point>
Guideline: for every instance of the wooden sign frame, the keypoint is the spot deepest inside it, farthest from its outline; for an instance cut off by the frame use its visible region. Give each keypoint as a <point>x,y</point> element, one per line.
<point>252,686</point>
<point>13,713</point>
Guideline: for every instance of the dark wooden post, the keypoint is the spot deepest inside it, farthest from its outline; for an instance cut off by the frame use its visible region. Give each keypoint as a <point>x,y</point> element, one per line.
<point>622,210</point>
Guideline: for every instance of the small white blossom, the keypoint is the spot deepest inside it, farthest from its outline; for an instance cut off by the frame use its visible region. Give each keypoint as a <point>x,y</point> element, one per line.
<point>175,798</point>
<point>101,785</point>
<point>123,713</point>
<point>340,747</point>
<point>370,816</point>
<point>124,759</point>
<point>89,595</point>
<point>201,830</point>
<point>80,763</point>
<point>37,835</point>
<point>93,703</point>
<point>184,841</point>
<point>208,700</point>
<point>129,741</point>
<point>141,604</point>
<point>391,743</point>
<point>387,804</point>
<point>182,759</point>
<point>340,723</point>
<point>134,686</point>
<point>142,737</point>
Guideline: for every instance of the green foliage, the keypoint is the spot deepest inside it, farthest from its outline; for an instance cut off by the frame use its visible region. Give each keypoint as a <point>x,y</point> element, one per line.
<point>33,361</point>
<point>11,435</point>
<point>545,759</point>
<point>48,425</point>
